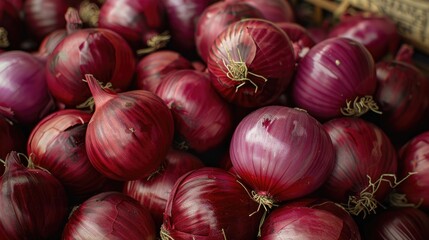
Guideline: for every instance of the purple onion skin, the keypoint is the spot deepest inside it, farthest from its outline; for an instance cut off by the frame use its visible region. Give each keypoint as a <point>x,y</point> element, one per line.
<point>18,86</point>
<point>414,158</point>
<point>282,153</point>
<point>301,39</point>
<point>206,201</point>
<point>376,32</point>
<point>310,219</point>
<point>332,72</point>
<point>33,203</point>
<point>216,18</point>
<point>203,120</point>
<point>362,149</point>
<point>397,223</point>
<point>110,215</point>
<point>272,10</point>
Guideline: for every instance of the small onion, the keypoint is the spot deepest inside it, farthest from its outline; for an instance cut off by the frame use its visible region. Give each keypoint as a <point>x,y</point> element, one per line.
<point>129,133</point>
<point>310,219</point>
<point>281,153</point>
<point>152,68</point>
<point>153,192</point>
<point>335,78</point>
<point>301,39</point>
<point>251,62</point>
<point>216,18</point>
<point>398,223</point>
<point>33,203</point>
<point>24,93</point>
<point>11,33</point>
<point>202,118</point>
<point>96,51</point>
<point>365,166</point>
<point>272,10</point>
<point>209,203</point>
<point>110,215</point>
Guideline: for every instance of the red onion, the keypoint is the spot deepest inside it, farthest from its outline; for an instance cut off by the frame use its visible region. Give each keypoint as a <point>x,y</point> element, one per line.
<point>301,39</point>
<point>376,32</point>
<point>44,16</point>
<point>216,18</point>
<point>129,133</point>
<point>365,168</point>
<point>153,192</point>
<point>152,68</point>
<point>202,118</point>
<point>57,143</point>
<point>272,10</point>
<point>24,93</point>
<point>140,22</point>
<point>32,201</point>
<point>414,158</point>
<point>282,153</point>
<point>86,52</point>
<point>335,78</point>
<point>310,219</point>
<point>209,203</point>
<point>251,62</point>
<point>11,25</point>
<point>110,215</point>
<point>182,16</point>
<point>398,223</point>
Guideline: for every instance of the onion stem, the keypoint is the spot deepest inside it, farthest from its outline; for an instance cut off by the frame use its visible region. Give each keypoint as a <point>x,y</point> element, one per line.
<point>89,13</point>
<point>3,161</point>
<point>164,234</point>
<point>400,200</point>
<point>90,103</point>
<point>156,42</point>
<point>4,41</point>
<point>359,106</point>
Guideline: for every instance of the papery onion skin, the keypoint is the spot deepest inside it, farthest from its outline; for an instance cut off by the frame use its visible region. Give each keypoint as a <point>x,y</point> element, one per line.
<point>334,71</point>
<point>215,19</point>
<point>153,192</point>
<point>49,43</point>
<point>152,68</point>
<point>281,152</point>
<point>362,150</point>
<point>414,158</point>
<point>397,223</point>
<point>96,51</point>
<point>129,133</point>
<point>301,39</point>
<point>376,32</point>
<point>202,118</point>
<point>32,201</point>
<point>310,219</point>
<point>261,61</point>
<point>210,203</point>
<point>110,215</point>
<point>57,143</point>
<point>25,93</point>
<point>272,10</point>
<point>11,33</point>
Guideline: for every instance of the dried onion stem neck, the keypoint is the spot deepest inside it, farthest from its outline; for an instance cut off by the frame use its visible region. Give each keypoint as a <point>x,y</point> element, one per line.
<point>90,103</point>
<point>156,42</point>
<point>4,41</point>
<point>400,200</point>
<point>89,13</point>
<point>164,234</point>
<point>360,106</point>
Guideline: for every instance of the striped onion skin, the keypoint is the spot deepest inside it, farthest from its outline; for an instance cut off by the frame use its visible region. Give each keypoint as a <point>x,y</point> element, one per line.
<point>281,153</point>
<point>267,53</point>
<point>332,72</point>
<point>129,133</point>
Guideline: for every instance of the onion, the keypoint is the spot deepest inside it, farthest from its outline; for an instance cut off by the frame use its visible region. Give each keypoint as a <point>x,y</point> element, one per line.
<point>282,153</point>
<point>153,192</point>
<point>152,68</point>
<point>216,18</point>
<point>365,168</point>
<point>310,219</point>
<point>335,78</point>
<point>96,51</point>
<point>301,39</point>
<point>24,93</point>
<point>57,143</point>
<point>140,22</point>
<point>182,16</point>
<point>272,10</point>
<point>11,33</point>
<point>202,118</point>
<point>378,33</point>
<point>209,203</point>
<point>398,223</point>
<point>414,158</point>
<point>18,4</point>
<point>110,215</point>
<point>129,133</point>
<point>32,201</point>
<point>44,16</point>
<point>251,62</point>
